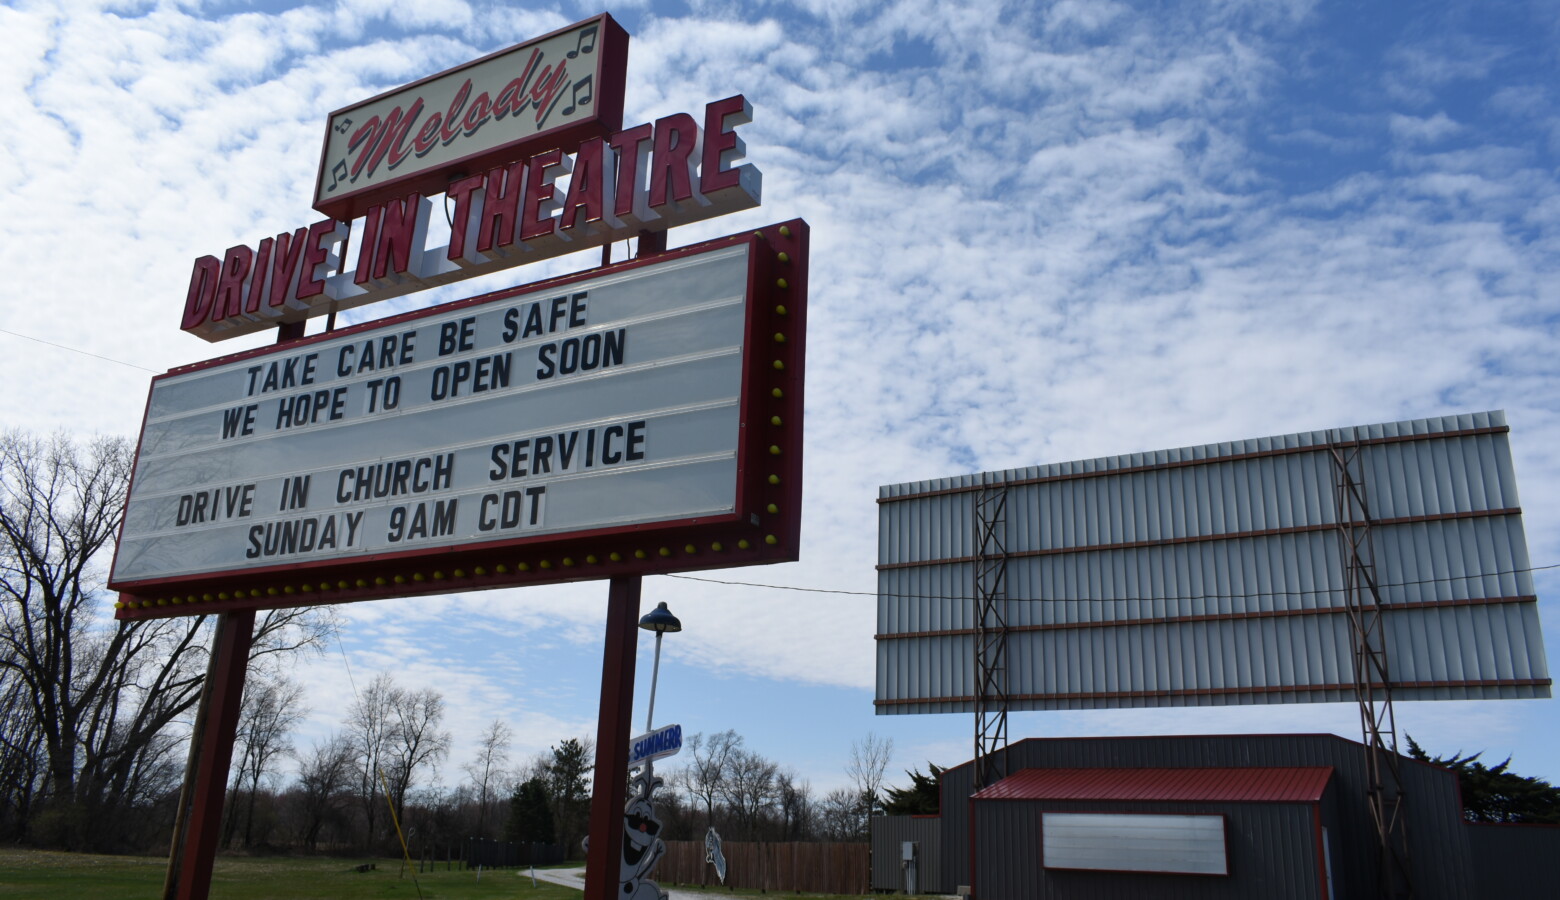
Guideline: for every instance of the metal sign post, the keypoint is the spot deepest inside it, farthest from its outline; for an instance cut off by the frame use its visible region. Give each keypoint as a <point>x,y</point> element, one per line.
<point>609,786</point>
<point>195,849</point>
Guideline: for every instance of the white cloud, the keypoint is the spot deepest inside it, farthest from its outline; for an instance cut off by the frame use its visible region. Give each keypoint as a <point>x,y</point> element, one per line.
<point>1417,130</point>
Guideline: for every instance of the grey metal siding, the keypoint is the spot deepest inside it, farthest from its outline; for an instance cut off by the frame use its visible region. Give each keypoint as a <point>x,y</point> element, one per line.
<point>1515,860</point>
<point>1218,583</point>
<point>888,836</point>
<point>1439,848</point>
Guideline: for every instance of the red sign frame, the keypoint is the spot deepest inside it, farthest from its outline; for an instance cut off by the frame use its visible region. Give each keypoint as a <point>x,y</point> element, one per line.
<point>764,528</point>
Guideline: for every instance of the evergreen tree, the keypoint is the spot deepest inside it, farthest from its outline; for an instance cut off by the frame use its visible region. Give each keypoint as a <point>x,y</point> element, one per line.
<point>568,787</point>
<point>921,798</point>
<point>530,814</point>
<point>1494,794</point>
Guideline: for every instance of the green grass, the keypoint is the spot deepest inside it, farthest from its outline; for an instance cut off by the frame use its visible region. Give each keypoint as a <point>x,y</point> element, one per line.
<point>43,875</point>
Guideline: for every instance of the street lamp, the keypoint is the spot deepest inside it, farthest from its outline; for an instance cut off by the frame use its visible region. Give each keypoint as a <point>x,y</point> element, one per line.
<point>659,620</point>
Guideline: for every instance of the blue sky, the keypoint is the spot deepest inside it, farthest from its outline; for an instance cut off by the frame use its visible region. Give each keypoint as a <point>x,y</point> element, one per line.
<point>1042,232</point>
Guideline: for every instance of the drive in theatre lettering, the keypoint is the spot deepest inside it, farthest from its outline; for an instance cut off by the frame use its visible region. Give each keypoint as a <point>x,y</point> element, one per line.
<point>640,417</point>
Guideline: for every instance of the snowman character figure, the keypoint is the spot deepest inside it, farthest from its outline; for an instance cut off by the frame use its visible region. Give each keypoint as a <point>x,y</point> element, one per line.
<point>642,844</point>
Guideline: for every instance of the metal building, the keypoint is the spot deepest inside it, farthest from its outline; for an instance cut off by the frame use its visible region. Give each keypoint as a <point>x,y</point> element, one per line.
<point>1271,816</point>
<point>1210,575</point>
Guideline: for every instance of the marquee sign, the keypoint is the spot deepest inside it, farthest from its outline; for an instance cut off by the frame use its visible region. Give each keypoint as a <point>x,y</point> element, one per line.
<point>550,92</point>
<point>637,418</point>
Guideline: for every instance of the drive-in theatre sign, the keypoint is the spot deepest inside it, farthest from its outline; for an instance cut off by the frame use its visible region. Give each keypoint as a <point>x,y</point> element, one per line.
<point>634,418</point>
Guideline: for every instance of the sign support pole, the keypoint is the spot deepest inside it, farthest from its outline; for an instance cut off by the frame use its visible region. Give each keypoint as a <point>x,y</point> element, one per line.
<point>609,788</point>
<point>195,849</point>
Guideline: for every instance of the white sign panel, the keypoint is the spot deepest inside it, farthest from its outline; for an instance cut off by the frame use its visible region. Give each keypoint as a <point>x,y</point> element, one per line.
<point>663,742</point>
<point>601,404</point>
<point>1130,842</point>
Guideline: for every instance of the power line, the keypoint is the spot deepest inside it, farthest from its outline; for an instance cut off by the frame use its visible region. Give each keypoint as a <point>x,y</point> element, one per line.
<point>75,350</point>
<point>1251,596</point>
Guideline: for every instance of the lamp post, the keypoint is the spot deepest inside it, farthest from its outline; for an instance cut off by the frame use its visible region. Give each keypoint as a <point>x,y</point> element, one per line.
<point>659,620</point>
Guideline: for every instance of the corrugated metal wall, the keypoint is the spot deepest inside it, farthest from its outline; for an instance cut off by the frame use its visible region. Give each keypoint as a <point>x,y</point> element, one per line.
<point>888,836</point>
<point>1516,860</point>
<point>1442,862</point>
<point>1213,575</point>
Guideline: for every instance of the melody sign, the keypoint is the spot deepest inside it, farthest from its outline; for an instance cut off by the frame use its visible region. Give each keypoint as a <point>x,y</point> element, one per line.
<point>555,89</point>
<point>638,418</point>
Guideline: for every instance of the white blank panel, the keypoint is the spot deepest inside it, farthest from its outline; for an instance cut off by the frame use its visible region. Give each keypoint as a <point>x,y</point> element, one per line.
<point>1122,842</point>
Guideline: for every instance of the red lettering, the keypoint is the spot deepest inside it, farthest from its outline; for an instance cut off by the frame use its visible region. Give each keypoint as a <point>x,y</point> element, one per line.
<point>460,221</point>
<point>718,141</point>
<point>229,299</point>
<point>500,207</point>
<point>512,98</point>
<point>545,94</point>
<point>397,230</point>
<point>257,283</point>
<point>284,264</point>
<point>585,189</point>
<point>632,148</point>
<point>451,128</point>
<point>539,191</point>
<point>399,153</point>
<point>477,114</point>
<point>203,284</point>
<point>426,136</point>
<point>315,250</point>
<point>365,262</point>
<point>376,137</point>
<point>675,138</point>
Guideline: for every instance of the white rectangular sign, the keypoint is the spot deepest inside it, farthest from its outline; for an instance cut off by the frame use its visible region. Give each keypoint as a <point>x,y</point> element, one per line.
<point>604,403</point>
<point>1131,842</point>
<point>658,744</point>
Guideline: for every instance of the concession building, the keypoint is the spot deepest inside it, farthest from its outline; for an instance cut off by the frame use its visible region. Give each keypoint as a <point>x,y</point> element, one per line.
<point>1216,816</point>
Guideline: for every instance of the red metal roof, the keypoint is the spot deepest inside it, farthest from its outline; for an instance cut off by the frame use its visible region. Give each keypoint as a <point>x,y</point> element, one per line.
<point>1297,784</point>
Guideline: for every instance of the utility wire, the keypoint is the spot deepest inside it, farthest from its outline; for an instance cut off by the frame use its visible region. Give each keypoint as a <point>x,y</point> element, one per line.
<point>1251,596</point>
<point>75,350</point>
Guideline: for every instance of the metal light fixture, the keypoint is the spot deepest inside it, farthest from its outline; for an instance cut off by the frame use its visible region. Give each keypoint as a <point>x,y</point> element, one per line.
<point>659,620</point>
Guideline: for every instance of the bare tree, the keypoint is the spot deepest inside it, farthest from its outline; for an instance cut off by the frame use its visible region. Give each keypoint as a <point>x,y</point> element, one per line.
<point>794,796</point>
<point>487,769</point>
<point>101,696</point>
<point>748,789</point>
<point>324,773</point>
<point>417,743</point>
<point>840,817</point>
<point>869,758</point>
<point>21,759</point>
<point>370,725</point>
<point>706,769</point>
<point>271,708</point>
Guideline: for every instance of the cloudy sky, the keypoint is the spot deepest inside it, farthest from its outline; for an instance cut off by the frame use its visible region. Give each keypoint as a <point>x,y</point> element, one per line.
<point>1042,231</point>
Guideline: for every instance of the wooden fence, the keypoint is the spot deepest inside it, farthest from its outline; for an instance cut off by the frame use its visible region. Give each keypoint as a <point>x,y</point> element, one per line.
<point>806,868</point>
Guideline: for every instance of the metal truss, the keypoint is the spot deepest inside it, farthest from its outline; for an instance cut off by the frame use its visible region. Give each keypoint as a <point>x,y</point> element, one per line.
<point>1372,678</point>
<point>991,631</point>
